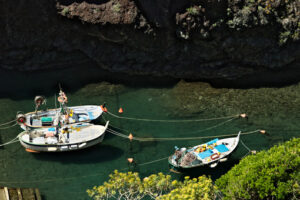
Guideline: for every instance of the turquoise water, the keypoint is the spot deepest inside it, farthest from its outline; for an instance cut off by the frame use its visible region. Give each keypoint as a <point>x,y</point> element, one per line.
<point>68,175</point>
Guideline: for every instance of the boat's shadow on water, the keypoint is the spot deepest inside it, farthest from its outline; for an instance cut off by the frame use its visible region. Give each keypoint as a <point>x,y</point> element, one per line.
<point>95,154</point>
<point>214,173</point>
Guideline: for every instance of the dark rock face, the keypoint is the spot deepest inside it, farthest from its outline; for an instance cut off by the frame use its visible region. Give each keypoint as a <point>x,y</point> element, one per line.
<point>136,37</point>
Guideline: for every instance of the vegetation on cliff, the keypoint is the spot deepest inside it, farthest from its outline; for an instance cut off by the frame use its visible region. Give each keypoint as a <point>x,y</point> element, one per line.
<point>272,174</point>
<point>129,186</point>
<point>240,15</point>
<point>282,13</point>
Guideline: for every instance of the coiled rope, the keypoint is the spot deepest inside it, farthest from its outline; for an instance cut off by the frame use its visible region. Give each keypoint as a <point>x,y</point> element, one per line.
<point>172,121</point>
<point>173,139</point>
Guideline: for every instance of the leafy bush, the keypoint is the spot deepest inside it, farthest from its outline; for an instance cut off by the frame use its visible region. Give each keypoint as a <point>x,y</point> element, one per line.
<point>201,188</point>
<point>250,13</point>
<point>129,186</point>
<point>272,174</point>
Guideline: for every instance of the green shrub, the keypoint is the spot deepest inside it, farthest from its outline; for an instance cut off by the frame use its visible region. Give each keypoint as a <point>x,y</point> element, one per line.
<point>272,174</point>
<point>193,10</point>
<point>250,13</point>
<point>129,186</point>
<point>65,11</point>
<point>201,188</point>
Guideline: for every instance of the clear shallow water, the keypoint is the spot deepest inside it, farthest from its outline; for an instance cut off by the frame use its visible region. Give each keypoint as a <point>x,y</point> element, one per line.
<point>67,175</point>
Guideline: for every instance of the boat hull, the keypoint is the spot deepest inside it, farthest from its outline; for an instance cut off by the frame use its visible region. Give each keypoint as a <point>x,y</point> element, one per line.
<point>77,136</point>
<point>63,147</point>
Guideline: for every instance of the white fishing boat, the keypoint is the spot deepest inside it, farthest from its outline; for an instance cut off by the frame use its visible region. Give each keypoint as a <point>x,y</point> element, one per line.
<point>51,117</point>
<point>67,138</point>
<point>210,153</point>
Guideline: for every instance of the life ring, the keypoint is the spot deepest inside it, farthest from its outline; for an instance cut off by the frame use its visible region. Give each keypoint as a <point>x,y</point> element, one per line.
<point>62,99</point>
<point>214,156</point>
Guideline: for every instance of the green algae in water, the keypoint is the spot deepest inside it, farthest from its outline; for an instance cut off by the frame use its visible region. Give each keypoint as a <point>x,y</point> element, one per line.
<point>67,175</point>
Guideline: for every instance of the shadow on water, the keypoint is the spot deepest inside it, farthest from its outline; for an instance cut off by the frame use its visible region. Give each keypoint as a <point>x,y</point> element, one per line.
<point>94,154</point>
<point>214,173</point>
<point>276,78</point>
<point>23,85</point>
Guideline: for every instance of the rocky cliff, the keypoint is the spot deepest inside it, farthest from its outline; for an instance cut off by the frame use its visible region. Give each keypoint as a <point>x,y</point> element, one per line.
<point>197,39</point>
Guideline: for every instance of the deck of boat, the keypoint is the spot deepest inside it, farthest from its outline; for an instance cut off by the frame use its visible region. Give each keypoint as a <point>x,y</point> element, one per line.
<point>76,133</point>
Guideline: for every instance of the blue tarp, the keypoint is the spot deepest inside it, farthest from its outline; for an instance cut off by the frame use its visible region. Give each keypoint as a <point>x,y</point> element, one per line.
<point>205,154</point>
<point>213,141</point>
<point>91,116</point>
<point>221,148</point>
<point>51,129</point>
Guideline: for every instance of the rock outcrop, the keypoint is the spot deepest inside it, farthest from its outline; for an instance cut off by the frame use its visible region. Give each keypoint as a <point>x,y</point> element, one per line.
<point>181,39</point>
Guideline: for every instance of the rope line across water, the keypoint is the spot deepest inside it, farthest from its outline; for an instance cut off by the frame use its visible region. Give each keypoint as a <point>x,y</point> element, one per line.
<point>2,128</point>
<point>7,122</point>
<point>172,139</point>
<point>198,131</point>
<point>171,121</point>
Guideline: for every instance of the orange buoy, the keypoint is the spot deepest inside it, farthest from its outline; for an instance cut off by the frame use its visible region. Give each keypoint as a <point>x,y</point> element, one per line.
<point>130,160</point>
<point>121,110</point>
<point>130,136</point>
<point>31,151</point>
<point>104,109</point>
<point>262,131</point>
<point>243,115</point>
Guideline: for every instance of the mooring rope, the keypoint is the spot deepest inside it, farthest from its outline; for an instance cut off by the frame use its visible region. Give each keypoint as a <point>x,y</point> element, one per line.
<point>10,142</point>
<point>215,126</point>
<point>2,128</point>
<point>171,121</point>
<point>172,139</point>
<point>7,122</point>
<point>249,150</point>
<point>198,131</point>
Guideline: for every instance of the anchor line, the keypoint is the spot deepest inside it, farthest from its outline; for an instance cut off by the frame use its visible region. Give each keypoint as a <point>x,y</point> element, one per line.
<point>171,121</point>
<point>7,122</point>
<point>249,150</point>
<point>198,131</point>
<point>174,139</point>
<point>10,142</point>
<point>2,128</point>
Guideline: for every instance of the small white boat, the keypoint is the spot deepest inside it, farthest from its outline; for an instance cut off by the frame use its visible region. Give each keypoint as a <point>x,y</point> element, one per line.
<point>210,153</point>
<point>52,117</point>
<point>67,138</point>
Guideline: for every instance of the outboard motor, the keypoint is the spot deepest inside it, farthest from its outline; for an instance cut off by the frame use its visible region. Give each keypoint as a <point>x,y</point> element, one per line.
<point>20,118</point>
